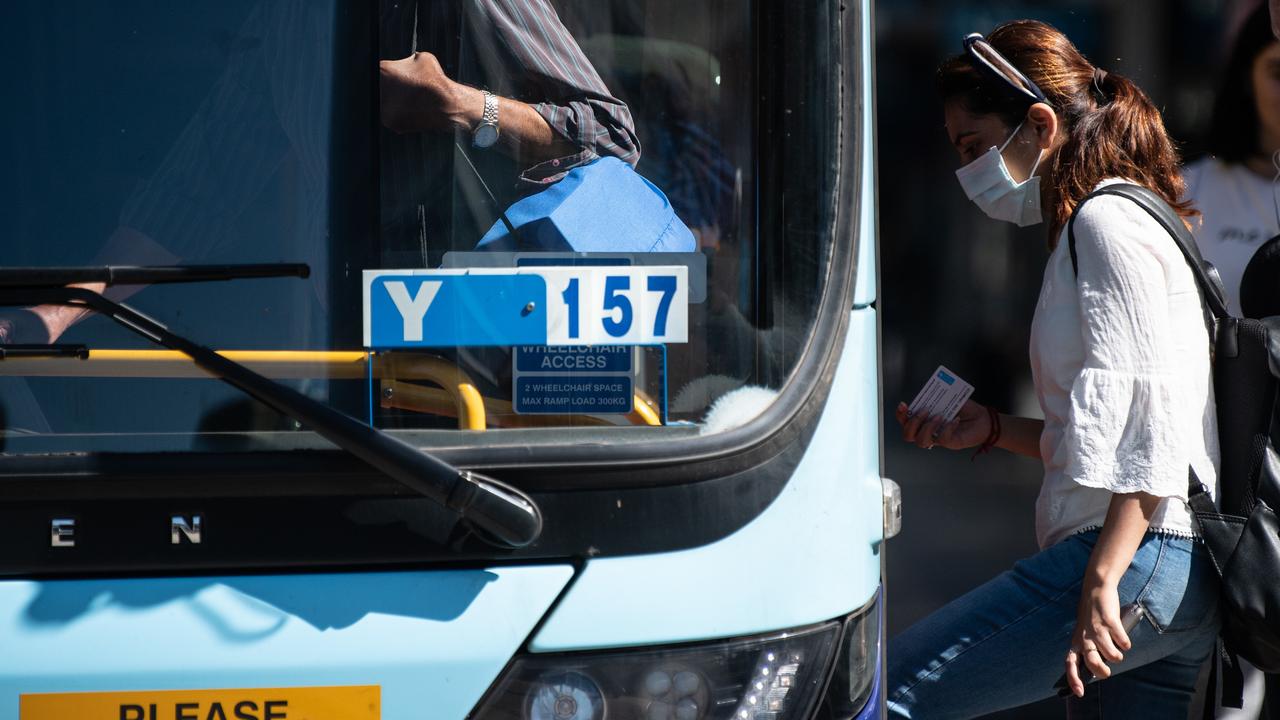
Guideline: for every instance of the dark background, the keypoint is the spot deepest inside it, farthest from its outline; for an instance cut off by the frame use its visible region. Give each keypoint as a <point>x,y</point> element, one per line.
<point>959,289</point>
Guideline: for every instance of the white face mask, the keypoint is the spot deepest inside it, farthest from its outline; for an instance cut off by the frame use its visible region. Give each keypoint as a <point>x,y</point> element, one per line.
<point>988,184</point>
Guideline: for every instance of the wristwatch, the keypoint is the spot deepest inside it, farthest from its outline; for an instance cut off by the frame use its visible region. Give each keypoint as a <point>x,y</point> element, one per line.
<point>486,133</point>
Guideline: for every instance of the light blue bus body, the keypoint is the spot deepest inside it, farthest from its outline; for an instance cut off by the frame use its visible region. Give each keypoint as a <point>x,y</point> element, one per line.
<point>435,641</point>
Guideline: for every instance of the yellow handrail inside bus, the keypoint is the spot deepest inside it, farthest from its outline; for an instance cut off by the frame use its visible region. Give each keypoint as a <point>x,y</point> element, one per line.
<point>643,411</point>
<point>468,404</point>
<point>275,364</point>
<point>501,413</point>
<point>457,396</point>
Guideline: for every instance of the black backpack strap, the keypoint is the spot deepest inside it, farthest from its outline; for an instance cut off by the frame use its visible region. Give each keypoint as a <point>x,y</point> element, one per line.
<point>1210,709</point>
<point>1198,495</point>
<point>1231,678</point>
<point>1216,530</point>
<point>1224,670</point>
<point>1155,206</point>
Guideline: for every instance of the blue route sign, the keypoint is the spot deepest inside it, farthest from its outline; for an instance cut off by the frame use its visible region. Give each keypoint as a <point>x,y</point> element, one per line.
<point>445,310</point>
<point>577,305</point>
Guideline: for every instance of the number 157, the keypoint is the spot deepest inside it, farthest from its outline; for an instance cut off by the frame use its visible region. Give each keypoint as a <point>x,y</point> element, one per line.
<point>617,313</point>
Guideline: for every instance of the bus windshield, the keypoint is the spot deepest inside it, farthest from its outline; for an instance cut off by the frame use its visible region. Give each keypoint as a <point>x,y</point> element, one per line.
<point>554,221</point>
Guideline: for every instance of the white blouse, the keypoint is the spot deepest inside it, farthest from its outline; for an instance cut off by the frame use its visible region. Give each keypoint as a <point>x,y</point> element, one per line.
<point>1120,360</point>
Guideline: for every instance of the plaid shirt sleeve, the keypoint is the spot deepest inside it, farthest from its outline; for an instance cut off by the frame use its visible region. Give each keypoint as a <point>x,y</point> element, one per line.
<point>562,86</point>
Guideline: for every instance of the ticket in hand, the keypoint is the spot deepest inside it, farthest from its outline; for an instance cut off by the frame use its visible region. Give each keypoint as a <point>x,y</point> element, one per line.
<point>942,396</point>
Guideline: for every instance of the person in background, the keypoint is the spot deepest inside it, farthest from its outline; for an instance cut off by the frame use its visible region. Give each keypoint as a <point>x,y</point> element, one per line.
<point>1234,187</point>
<point>1120,362</point>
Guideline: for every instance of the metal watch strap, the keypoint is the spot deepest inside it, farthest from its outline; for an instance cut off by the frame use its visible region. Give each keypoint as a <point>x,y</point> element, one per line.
<point>485,133</point>
<point>490,116</point>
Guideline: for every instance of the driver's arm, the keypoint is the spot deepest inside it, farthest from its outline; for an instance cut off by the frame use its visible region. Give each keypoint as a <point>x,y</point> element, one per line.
<point>558,113</point>
<point>418,96</point>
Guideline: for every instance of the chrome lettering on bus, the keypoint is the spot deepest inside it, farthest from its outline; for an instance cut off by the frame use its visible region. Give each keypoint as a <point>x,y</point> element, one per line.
<point>62,532</point>
<point>187,529</point>
<point>181,527</point>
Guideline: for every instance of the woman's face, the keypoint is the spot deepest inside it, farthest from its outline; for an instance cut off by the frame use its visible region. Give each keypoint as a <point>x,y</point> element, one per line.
<point>1266,95</point>
<point>972,135</point>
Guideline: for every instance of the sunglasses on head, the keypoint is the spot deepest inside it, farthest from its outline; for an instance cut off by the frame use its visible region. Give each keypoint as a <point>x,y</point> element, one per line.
<point>990,59</point>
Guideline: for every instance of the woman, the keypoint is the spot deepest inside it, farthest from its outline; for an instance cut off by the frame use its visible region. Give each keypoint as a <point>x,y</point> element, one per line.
<point>1234,186</point>
<point>1120,360</point>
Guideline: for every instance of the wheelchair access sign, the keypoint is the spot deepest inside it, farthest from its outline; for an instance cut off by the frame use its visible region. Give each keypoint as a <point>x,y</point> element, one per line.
<point>556,306</point>
<point>559,379</point>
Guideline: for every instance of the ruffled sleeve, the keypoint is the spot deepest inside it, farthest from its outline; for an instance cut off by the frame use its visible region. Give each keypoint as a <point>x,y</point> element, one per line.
<point>1126,431</point>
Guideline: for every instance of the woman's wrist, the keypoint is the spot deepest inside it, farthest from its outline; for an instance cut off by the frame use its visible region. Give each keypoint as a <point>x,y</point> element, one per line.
<point>1000,440</point>
<point>993,433</point>
<point>1102,578</point>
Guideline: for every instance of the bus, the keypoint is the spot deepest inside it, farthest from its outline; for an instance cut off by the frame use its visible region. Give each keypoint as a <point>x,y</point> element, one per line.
<point>391,359</point>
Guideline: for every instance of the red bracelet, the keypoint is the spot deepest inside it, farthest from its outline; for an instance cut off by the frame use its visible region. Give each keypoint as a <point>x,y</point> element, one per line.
<point>992,437</point>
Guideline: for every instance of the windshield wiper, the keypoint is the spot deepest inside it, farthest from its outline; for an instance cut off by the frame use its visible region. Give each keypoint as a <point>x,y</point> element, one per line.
<point>55,277</point>
<point>19,350</point>
<point>498,513</point>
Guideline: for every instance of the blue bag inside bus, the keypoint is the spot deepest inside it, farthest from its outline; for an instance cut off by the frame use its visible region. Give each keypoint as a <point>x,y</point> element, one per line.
<point>603,206</point>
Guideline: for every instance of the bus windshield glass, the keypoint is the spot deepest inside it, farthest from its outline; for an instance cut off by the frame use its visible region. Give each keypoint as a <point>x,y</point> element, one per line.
<point>553,221</point>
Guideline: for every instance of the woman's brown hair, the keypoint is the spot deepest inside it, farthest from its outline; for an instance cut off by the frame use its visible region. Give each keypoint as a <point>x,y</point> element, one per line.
<point>1112,129</point>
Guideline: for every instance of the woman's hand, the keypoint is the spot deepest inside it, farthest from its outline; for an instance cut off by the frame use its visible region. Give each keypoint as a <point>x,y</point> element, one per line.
<point>970,427</point>
<point>1099,637</point>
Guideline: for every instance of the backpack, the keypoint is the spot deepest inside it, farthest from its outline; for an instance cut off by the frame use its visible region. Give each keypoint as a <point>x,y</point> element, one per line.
<point>1242,534</point>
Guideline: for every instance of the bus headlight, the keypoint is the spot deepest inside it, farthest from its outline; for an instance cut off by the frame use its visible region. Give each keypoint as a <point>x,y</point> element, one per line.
<point>855,678</point>
<point>769,677</point>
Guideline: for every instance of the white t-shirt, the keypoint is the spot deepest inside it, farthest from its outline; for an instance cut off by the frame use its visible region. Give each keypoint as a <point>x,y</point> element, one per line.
<point>1239,215</point>
<point>1120,361</point>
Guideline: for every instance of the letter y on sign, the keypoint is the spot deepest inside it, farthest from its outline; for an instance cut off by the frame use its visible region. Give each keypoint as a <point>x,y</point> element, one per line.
<point>413,309</point>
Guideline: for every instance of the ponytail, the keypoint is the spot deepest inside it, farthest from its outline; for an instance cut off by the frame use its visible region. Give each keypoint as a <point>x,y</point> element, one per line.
<point>1119,134</point>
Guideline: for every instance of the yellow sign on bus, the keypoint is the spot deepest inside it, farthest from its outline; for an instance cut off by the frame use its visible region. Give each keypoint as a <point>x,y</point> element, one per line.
<point>355,702</point>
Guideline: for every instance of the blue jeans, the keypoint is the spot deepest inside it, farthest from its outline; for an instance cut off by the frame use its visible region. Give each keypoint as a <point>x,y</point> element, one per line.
<point>1004,644</point>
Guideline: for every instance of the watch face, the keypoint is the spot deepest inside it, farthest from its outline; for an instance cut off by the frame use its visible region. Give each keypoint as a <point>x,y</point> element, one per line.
<point>485,135</point>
